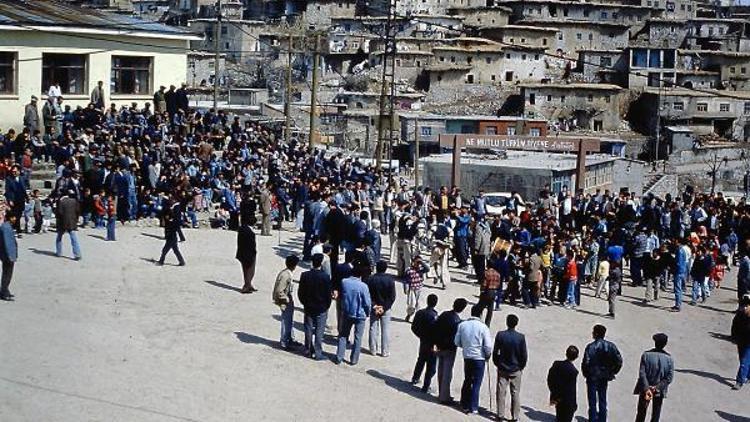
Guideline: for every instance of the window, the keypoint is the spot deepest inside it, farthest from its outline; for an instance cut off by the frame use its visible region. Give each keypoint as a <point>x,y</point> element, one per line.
<point>510,131</point>
<point>7,73</point>
<point>605,61</point>
<point>743,70</point>
<point>426,130</point>
<point>131,75</point>
<point>702,106</point>
<point>654,58</point>
<point>604,15</point>
<point>670,6</point>
<point>535,131</point>
<point>608,99</point>
<point>490,130</point>
<point>468,60</point>
<point>469,79</point>
<point>562,98</point>
<point>614,15</point>
<point>669,59</point>
<point>565,11</point>
<point>532,99</point>
<point>507,56</point>
<point>544,41</point>
<point>724,107</point>
<point>488,60</point>
<point>536,57</point>
<point>747,107</point>
<point>591,36</point>
<point>579,36</point>
<point>453,59</point>
<point>590,98</point>
<point>679,106</point>
<point>68,70</point>
<point>523,57</point>
<point>509,76</point>
<point>586,13</point>
<point>732,69</point>
<point>560,36</point>
<point>549,98</point>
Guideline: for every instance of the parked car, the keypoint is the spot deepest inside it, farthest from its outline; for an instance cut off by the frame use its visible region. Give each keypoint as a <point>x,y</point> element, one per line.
<point>497,202</point>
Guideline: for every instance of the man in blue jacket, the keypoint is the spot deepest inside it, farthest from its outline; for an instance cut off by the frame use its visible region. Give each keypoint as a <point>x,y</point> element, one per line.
<point>8,254</point>
<point>355,309</point>
<point>315,293</point>
<point>15,195</point>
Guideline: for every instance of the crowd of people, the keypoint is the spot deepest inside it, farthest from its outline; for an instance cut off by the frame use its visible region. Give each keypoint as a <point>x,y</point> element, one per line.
<point>177,165</point>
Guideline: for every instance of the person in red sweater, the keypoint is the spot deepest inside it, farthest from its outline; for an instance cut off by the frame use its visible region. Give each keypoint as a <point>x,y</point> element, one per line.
<point>571,276</point>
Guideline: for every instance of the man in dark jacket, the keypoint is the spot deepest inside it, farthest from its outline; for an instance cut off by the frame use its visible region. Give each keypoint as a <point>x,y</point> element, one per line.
<point>654,376</point>
<point>601,362</point>
<point>68,210</point>
<point>561,380</point>
<point>743,275</point>
<point>510,357</point>
<point>423,327</point>
<point>445,334</point>
<point>315,293</point>
<point>8,255</point>
<point>15,195</point>
<point>334,224</point>
<point>183,102</point>
<point>246,254</point>
<point>382,293</point>
<point>741,337</point>
<point>171,227</point>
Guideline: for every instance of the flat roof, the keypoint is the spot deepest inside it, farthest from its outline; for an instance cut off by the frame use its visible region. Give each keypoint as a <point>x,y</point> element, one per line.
<point>537,160</point>
<point>684,92</point>
<point>524,28</point>
<point>714,53</point>
<point>585,4</point>
<point>607,87</point>
<point>64,17</point>
<point>475,117</point>
<point>571,22</point>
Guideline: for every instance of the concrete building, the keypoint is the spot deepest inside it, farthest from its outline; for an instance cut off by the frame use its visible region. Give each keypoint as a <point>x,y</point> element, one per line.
<point>652,67</point>
<point>77,48</point>
<point>724,113</point>
<point>431,126</point>
<point>239,38</point>
<point>201,68</point>
<point>593,107</point>
<point>527,172</point>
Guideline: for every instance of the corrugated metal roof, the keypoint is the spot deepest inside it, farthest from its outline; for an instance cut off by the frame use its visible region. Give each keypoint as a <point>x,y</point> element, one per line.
<point>57,13</point>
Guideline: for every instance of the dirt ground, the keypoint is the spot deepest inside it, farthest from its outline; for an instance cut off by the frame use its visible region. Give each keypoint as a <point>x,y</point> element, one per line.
<point>115,338</point>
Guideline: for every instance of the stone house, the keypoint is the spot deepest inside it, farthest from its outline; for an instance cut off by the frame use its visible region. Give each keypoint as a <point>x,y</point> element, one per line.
<point>531,36</point>
<point>318,13</point>
<point>593,107</point>
<point>603,66</point>
<point>239,45</point>
<point>724,113</point>
<point>577,35</point>
<point>482,15</point>
<point>634,16</point>
<point>714,34</point>
<point>480,64</point>
<point>733,67</point>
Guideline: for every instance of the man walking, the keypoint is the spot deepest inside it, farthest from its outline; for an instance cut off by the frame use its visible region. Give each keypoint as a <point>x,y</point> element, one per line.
<point>475,340</point>
<point>509,356</point>
<point>282,297</point>
<point>446,327</point>
<point>171,228</point>
<point>315,294</point>
<point>383,293</point>
<point>8,255</point>
<point>247,252</point>
<point>356,306</point>
<point>562,381</point>
<point>423,327</point>
<point>741,337</point>
<point>654,376</point>
<point>601,362</point>
<point>614,281</point>
<point>68,210</point>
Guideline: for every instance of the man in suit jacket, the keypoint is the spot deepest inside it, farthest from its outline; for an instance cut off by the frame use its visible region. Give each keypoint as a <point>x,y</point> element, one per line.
<point>383,293</point>
<point>561,380</point>
<point>315,294</point>
<point>246,254</point>
<point>31,115</point>
<point>654,376</point>
<point>8,255</point>
<point>423,327</point>
<point>15,195</point>
<point>510,357</point>
<point>68,210</point>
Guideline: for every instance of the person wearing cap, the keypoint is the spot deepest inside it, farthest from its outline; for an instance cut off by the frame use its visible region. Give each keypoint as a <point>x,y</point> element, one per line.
<point>602,361</point>
<point>97,96</point>
<point>160,102</point>
<point>654,376</point>
<point>31,115</point>
<point>741,337</point>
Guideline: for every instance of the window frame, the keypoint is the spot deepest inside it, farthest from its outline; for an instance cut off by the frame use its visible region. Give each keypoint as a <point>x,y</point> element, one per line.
<point>114,77</point>
<point>49,73</point>
<point>13,71</point>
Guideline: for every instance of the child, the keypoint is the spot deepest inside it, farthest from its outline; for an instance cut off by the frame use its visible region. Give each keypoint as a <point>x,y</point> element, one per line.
<point>111,209</point>
<point>46,215</point>
<point>413,279</point>
<point>99,210</point>
<point>28,212</point>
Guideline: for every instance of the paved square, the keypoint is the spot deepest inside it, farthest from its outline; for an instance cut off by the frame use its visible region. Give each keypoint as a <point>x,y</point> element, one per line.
<point>115,338</point>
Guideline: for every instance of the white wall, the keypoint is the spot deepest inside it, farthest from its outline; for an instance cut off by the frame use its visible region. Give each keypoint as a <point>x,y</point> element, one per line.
<point>169,66</point>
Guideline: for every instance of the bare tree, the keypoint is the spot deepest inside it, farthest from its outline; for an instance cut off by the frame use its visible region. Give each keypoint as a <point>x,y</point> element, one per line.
<point>714,163</point>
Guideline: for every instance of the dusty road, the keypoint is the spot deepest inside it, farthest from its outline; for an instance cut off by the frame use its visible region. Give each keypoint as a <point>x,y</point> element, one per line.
<point>115,338</point>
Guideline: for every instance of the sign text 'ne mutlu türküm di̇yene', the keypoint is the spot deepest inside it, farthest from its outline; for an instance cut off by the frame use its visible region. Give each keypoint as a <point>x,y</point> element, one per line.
<point>520,143</point>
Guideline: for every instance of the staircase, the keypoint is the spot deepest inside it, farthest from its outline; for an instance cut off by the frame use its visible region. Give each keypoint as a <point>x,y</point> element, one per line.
<point>651,180</point>
<point>43,178</point>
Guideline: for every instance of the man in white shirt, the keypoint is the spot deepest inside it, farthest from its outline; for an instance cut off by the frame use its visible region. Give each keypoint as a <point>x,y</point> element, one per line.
<point>475,340</point>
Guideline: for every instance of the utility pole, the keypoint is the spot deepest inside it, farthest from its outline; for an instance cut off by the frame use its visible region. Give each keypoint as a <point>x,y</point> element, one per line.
<point>314,91</point>
<point>217,55</point>
<point>288,93</point>
<point>387,92</point>
<point>416,152</point>
<point>658,125</point>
